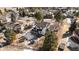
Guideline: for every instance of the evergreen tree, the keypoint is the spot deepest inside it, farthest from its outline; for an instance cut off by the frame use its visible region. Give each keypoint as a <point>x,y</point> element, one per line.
<point>21,12</point>
<point>76,14</point>
<point>10,34</point>
<point>38,16</point>
<point>50,42</point>
<point>58,16</point>
<point>5,10</point>
<point>13,17</point>
<point>1,12</point>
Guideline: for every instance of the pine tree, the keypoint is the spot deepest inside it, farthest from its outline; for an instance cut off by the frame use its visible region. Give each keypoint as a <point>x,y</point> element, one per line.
<point>58,16</point>
<point>38,16</point>
<point>50,42</point>
<point>10,34</point>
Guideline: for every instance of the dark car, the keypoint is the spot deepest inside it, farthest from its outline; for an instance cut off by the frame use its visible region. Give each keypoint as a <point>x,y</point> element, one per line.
<point>61,47</point>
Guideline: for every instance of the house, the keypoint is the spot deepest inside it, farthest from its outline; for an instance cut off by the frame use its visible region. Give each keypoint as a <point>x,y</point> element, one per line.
<point>54,27</point>
<point>73,41</point>
<point>69,14</point>
<point>29,36</point>
<point>41,25</point>
<point>37,31</point>
<point>40,28</point>
<point>26,22</point>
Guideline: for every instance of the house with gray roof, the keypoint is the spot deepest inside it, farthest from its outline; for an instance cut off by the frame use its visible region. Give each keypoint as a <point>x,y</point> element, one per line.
<point>40,28</point>
<point>73,43</point>
<point>41,25</point>
<point>73,40</point>
<point>54,27</point>
<point>29,36</point>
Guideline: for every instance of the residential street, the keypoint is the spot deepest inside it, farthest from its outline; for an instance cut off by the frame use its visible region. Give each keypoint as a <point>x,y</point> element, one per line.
<point>63,29</point>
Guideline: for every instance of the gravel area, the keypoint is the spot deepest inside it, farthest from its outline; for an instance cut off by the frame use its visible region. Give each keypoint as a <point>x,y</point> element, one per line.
<point>13,47</point>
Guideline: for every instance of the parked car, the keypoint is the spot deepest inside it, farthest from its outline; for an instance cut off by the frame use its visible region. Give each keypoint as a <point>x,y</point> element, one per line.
<point>61,47</point>
<point>2,44</point>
